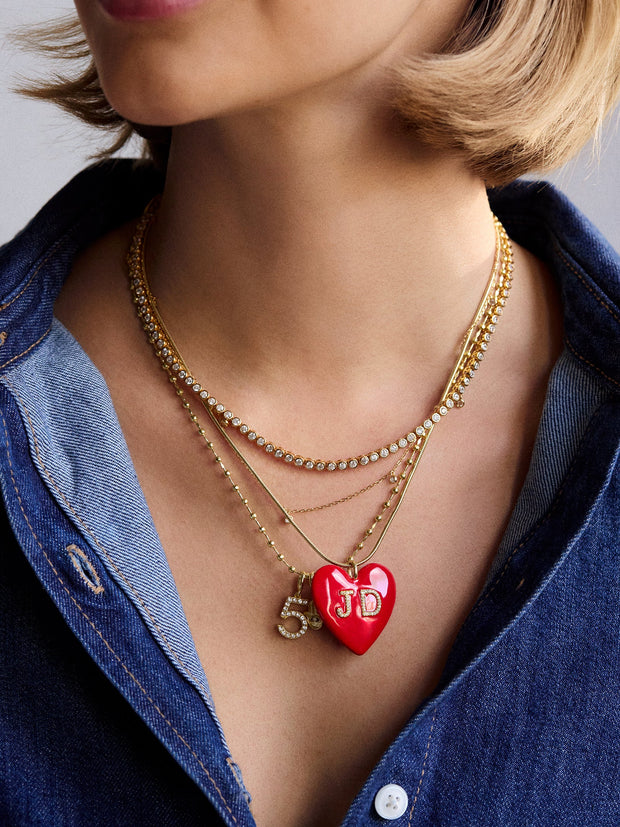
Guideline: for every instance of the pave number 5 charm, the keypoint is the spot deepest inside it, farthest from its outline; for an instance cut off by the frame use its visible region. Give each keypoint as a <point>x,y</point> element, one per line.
<point>288,612</point>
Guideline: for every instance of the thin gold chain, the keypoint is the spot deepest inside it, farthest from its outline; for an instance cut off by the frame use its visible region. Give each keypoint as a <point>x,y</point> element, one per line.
<point>347,498</point>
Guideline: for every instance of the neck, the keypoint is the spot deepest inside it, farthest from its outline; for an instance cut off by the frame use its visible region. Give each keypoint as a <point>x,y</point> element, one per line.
<point>286,243</point>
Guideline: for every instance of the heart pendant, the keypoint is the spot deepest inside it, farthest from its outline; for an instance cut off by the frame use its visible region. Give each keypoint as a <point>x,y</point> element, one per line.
<point>355,611</point>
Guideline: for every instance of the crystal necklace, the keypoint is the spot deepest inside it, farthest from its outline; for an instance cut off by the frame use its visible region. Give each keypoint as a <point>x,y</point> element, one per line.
<point>353,598</point>
<point>174,361</point>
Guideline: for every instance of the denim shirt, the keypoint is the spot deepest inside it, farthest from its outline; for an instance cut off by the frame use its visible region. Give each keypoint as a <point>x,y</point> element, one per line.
<point>105,711</point>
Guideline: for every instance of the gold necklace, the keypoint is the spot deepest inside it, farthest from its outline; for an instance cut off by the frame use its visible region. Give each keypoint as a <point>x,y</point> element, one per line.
<point>271,448</point>
<point>354,604</point>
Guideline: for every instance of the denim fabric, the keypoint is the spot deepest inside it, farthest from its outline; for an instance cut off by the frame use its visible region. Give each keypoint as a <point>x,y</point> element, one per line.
<point>78,446</point>
<point>106,714</point>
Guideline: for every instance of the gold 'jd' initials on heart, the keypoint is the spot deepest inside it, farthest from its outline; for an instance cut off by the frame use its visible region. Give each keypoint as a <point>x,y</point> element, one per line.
<point>357,610</point>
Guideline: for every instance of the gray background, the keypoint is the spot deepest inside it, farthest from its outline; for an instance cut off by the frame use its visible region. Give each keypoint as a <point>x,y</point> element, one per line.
<point>40,148</point>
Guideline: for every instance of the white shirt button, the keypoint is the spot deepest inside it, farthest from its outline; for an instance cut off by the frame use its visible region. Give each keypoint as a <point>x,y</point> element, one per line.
<point>391,802</point>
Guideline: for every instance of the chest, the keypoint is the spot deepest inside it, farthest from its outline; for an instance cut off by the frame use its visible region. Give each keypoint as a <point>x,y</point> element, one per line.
<point>298,713</point>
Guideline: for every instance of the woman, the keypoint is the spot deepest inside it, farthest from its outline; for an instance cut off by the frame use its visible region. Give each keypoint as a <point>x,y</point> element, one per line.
<point>325,258</point>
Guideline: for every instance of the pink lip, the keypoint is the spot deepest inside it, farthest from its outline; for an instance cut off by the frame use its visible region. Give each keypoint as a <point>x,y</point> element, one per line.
<point>146,9</point>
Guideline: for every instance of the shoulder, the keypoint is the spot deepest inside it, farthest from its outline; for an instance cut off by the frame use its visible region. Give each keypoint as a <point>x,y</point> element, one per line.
<point>586,269</point>
<point>34,265</point>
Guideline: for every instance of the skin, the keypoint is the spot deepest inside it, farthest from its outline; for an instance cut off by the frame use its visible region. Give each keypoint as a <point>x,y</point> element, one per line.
<point>317,269</point>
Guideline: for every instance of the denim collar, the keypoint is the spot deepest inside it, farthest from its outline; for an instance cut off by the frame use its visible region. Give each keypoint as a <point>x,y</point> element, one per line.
<point>108,194</point>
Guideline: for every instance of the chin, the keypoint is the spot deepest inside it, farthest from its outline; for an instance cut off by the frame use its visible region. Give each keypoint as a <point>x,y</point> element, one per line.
<point>150,98</point>
<point>162,97</point>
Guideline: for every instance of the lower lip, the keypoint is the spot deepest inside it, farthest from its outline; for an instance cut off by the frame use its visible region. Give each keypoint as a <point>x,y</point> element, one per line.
<point>146,9</point>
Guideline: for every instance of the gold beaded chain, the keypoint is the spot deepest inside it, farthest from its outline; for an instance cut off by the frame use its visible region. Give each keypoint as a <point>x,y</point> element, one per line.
<point>220,462</point>
<point>472,353</point>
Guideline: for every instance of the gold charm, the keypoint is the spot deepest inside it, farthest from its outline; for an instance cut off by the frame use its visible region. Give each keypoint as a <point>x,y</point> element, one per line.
<point>309,618</point>
<point>314,618</point>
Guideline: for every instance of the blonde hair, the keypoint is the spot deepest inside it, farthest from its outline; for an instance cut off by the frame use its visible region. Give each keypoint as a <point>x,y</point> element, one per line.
<point>521,85</point>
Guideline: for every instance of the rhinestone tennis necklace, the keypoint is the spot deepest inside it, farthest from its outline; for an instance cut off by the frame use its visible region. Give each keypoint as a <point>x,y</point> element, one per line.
<point>172,361</point>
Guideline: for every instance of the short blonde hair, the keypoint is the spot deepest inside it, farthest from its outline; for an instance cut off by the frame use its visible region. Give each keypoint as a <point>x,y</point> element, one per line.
<point>520,87</point>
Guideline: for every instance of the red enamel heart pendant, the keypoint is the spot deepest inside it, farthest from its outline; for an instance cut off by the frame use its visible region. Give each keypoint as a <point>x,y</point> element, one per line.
<point>355,611</point>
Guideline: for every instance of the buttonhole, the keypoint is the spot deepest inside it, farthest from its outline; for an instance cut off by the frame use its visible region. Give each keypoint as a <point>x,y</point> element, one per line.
<point>236,770</point>
<point>85,568</point>
<point>520,584</point>
<point>3,337</point>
